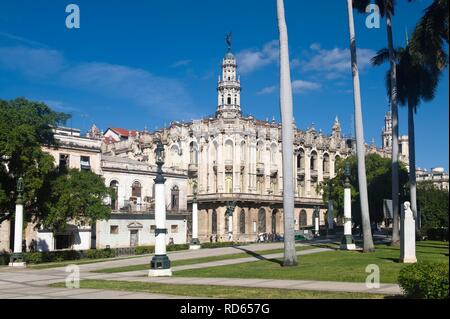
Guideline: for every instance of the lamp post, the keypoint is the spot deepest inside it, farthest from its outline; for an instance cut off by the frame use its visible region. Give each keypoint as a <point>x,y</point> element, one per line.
<point>16,259</point>
<point>160,263</point>
<point>195,243</point>
<point>348,242</point>
<point>229,213</point>
<point>330,214</point>
<point>316,215</point>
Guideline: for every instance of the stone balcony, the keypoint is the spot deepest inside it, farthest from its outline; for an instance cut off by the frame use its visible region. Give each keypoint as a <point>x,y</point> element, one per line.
<point>273,169</point>
<point>300,171</point>
<point>193,168</point>
<point>255,198</point>
<point>314,173</point>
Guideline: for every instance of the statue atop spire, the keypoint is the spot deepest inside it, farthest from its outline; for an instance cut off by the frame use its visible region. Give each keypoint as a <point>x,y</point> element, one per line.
<point>229,40</point>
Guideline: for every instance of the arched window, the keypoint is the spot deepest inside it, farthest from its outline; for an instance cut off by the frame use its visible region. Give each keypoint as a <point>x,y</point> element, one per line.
<point>242,222</point>
<point>229,183</point>
<point>175,198</point>
<point>262,220</point>
<point>273,153</point>
<point>193,153</point>
<point>214,222</point>
<point>229,152</point>
<point>301,160</point>
<point>303,218</point>
<point>326,164</point>
<point>313,161</point>
<point>229,100</point>
<point>114,185</point>
<point>259,152</point>
<point>174,154</point>
<point>136,189</point>
<point>274,221</point>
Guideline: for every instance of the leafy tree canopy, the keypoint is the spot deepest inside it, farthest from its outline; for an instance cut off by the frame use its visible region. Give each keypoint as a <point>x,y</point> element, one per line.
<point>433,205</point>
<point>378,186</point>
<point>77,196</point>
<point>24,127</point>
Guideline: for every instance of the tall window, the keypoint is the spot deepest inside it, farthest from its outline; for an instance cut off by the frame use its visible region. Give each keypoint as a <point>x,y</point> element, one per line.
<point>175,198</point>
<point>229,98</point>
<point>229,183</point>
<point>229,151</point>
<point>259,184</point>
<point>262,220</point>
<point>313,161</point>
<point>259,151</point>
<point>64,161</point>
<point>243,152</point>
<point>273,153</point>
<point>85,163</point>
<point>242,222</point>
<point>114,185</point>
<point>214,222</point>
<point>193,153</point>
<point>136,189</point>
<point>303,220</point>
<point>274,221</point>
<point>301,160</point>
<point>326,163</point>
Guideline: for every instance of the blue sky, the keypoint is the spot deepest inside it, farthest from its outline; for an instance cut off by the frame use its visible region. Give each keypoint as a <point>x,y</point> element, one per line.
<point>143,63</point>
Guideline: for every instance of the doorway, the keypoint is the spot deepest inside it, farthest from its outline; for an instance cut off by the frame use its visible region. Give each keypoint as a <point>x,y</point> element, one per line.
<point>134,237</point>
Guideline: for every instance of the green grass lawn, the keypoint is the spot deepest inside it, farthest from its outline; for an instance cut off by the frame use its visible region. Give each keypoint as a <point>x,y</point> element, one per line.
<point>222,292</point>
<point>328,266</point>
<point>192,261</point>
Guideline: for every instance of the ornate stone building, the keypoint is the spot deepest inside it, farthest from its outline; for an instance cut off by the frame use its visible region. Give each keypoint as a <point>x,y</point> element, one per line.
<point>237,158</point>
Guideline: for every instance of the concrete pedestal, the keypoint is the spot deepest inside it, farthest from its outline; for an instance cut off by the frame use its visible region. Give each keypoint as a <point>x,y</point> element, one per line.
<point>194,247</point>
<point>160,272</point>
<point>407,236</point>
<point>18,264</point>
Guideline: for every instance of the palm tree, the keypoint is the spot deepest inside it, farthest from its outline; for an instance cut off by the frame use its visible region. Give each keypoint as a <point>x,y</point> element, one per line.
<point>360,147</point>
<point>415,82</point>
<point>290,255</point>
<point>386,8</point>
<point>430,35</point>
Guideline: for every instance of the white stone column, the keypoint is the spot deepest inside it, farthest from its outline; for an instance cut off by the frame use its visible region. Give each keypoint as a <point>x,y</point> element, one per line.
<point>347,240</point>
<point>230,227</point>
<point>307,175</point>
<point>330,215</point>
<point>408,236</point>
<point>317,223</point>
<point>17,260</point>
<point>160,263</point>
<point>195,243</point>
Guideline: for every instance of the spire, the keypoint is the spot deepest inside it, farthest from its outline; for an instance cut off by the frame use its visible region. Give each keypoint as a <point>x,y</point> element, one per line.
<point>229,86</point>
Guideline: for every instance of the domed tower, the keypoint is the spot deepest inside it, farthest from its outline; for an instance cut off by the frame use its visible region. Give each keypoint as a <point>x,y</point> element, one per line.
<point>229,87</point>
<point>386,135</point>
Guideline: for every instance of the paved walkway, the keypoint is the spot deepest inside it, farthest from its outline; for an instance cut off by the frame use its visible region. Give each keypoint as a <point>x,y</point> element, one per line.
<point>33,283</point>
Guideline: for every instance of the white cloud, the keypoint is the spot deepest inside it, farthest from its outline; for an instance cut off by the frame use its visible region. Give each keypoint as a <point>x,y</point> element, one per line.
<point>251,60</point>
<point>335,63</point>
<point>137,86</point>
<point>181,63</point>
<point>36,63</point>
<point>300,86</point>
<point>268,90</point>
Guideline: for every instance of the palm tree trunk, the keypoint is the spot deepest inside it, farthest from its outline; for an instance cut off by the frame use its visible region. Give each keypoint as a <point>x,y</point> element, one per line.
<point>360,147</point>
<point>394,107</point>
<point>290,255</point>
<point>412,161</point>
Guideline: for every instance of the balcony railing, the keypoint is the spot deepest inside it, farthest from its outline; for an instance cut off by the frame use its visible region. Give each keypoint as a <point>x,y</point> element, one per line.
<point>260,168</point>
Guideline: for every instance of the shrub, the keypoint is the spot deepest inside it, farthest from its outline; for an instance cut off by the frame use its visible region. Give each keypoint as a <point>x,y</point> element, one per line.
<point>437,234</point>
<point>142,250</point>
<point>425,280</point>
<point>177,247</point>
<point>99,253</point>
<point>4,259</point>
<point>35,257</point>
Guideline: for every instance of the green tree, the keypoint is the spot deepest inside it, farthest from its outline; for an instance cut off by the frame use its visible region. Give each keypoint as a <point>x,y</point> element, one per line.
<point>433,205</point>
<point>77,196</point>
<point>415,83</point>
<point>24,127</point>
<point>378,180</point>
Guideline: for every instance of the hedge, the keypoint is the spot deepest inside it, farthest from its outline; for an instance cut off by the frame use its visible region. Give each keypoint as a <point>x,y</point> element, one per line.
<point>4,259</point>
<point>425,280</point>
